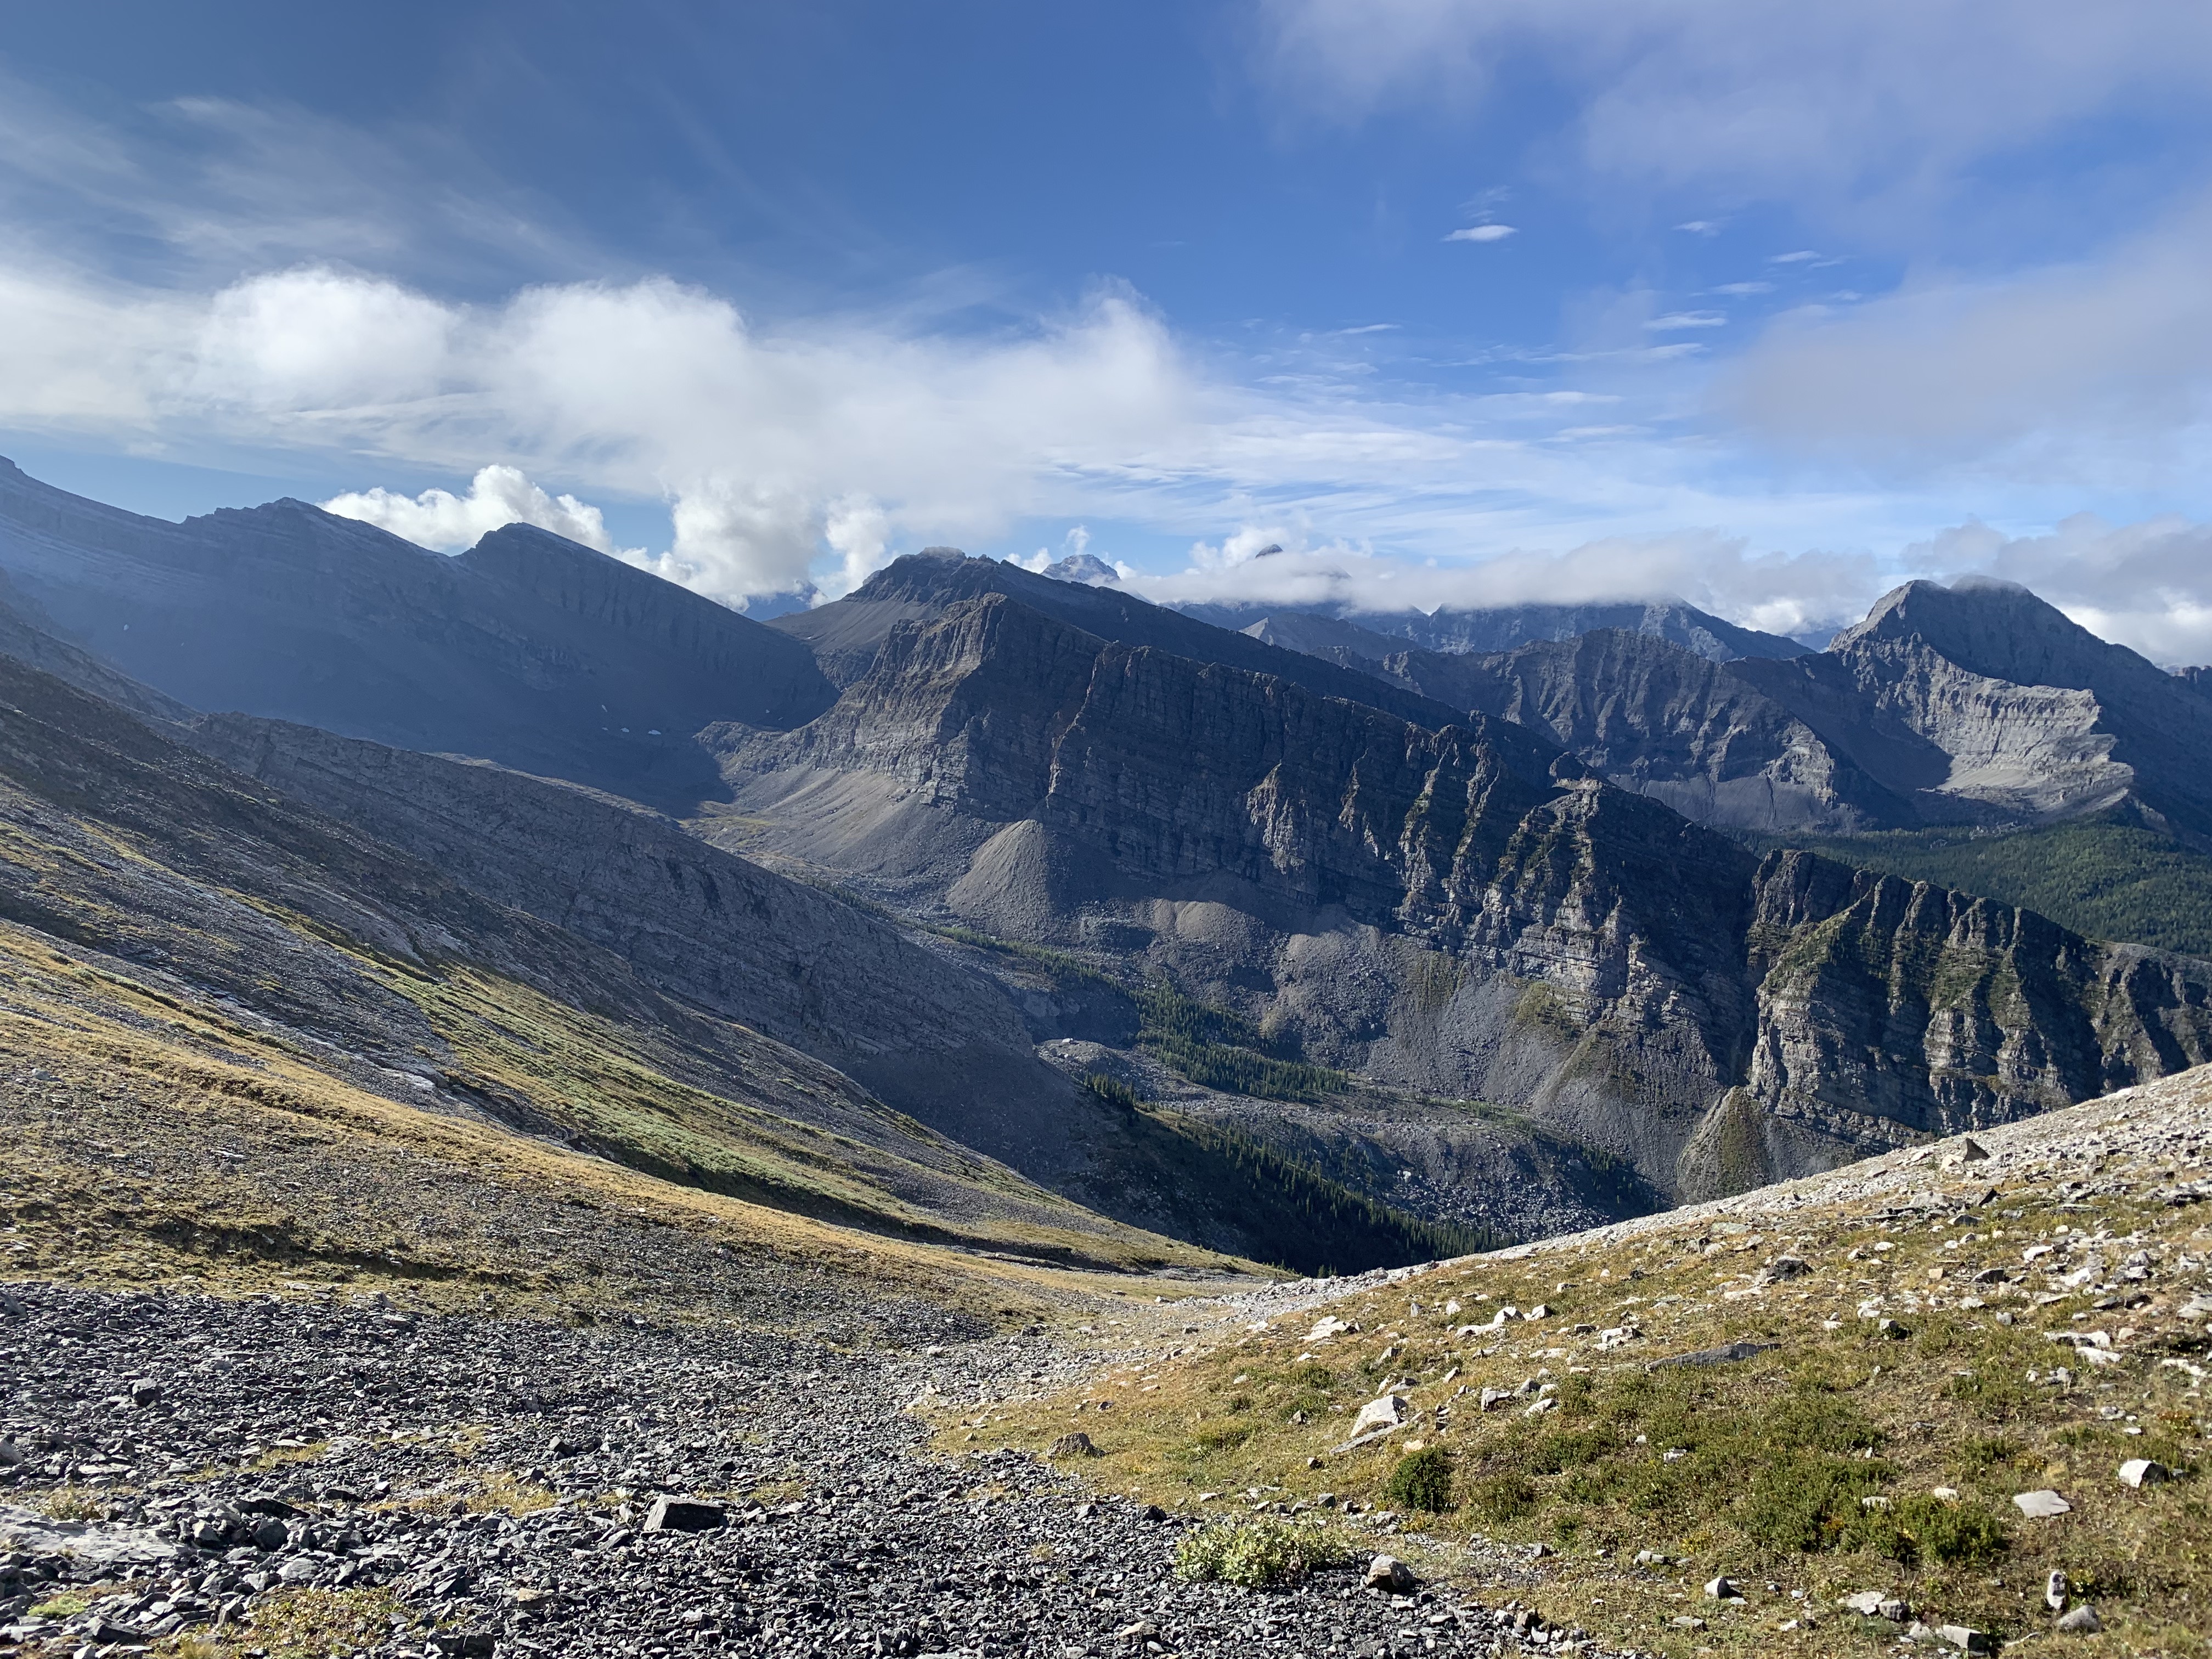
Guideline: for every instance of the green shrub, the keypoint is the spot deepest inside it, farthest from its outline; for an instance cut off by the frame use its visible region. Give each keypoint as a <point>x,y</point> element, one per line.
<point>1993,1394</point>
<point>1422,1480</point>
<point>1952,1534</point>
<point>1256,1553</point>
<point>1502,1496</point>
<point>1805,1503</point>
<point>1567,1449</point>
<point>1987,1451</point>
<point>1924,1529</point>
<point>1227,1437</point>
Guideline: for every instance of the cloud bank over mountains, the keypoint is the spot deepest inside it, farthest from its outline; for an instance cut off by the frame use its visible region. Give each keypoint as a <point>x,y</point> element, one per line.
<point>216,280</point>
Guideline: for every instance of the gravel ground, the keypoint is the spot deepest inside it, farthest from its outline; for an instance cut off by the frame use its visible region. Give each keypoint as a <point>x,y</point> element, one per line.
<point>474,1486</point>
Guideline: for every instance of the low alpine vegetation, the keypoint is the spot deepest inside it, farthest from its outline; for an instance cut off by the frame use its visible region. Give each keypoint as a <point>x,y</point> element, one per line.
<point>1258,1554</point>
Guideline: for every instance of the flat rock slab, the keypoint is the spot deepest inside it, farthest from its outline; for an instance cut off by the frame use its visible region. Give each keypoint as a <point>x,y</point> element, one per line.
<point>2041,1505</point>
<point>684,1515</point>
<point>96,1542</point>
<point>1728,1355</point>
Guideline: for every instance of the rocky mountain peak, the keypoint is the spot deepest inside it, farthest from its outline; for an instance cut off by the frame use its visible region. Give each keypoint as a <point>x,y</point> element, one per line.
<point>1997,629</point>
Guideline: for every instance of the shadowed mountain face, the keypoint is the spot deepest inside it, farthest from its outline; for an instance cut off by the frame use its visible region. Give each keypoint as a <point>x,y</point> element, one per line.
<point>528,649</point>
<point>1464,911</point>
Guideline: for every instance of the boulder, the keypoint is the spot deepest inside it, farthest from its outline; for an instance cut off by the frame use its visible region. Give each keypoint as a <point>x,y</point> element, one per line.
<point>2141,1472</point>
<point>1390,1412</point>
<point>1388,1572</point>
<point>1072,1445</point>
<point>2041,1505</point>
<point>2082,1621</point>
<point>684,1515</point>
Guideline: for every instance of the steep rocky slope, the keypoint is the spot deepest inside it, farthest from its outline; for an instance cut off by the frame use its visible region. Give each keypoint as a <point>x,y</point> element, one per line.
<point>1464,911</point>
<point>306,936</point>
<point>528,649</point>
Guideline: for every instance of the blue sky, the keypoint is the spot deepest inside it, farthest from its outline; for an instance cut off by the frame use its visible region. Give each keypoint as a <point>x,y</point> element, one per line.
<point>1460,301</point>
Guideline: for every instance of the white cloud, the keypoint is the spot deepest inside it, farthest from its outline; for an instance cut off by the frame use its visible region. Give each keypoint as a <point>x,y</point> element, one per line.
<point>1681,320</point>
<point>497,495</point>
<point>825,440</point>
<point>2100,370</point>
<point>1739,289</point>
<point>1782,594</point>
<point>300,342</point>
<point>1803,255</point>
<point>1482,233</point>
<point>2148,585</point>
<point>1874,112</point>
<point>1702,227</point>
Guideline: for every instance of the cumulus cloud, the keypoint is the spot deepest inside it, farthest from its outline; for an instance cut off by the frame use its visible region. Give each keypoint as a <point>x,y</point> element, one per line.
<point>497,495</point>
<point>1482,233</point>
<point>825,440</point>
<point>304,341</point>
<point>2146,585</point>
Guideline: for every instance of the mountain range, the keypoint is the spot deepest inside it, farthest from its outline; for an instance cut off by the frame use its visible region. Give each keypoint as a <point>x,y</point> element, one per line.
<point>992,907</point>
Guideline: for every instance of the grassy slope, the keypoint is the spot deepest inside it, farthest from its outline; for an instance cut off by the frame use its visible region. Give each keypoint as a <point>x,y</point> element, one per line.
<point>154,1139</point>
<point>2107,877</point>
<point>1779,1448</point>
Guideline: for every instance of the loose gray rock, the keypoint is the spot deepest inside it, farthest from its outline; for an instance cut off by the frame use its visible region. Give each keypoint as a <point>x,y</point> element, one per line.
<point>2082,1621</point>
<point>2142,1472</point>
<point>2041,1505</point>
<point>1072,1445</point>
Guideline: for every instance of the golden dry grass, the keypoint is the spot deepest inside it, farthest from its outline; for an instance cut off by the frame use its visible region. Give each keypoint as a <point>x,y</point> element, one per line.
<point>162,1143</point>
